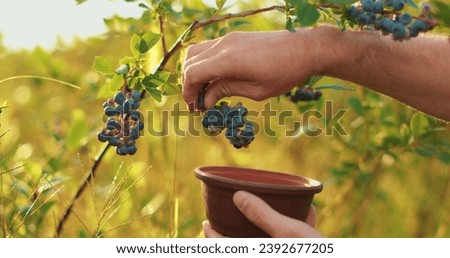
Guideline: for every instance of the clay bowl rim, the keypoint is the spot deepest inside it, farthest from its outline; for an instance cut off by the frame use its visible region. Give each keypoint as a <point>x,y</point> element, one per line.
<point>209,178</point>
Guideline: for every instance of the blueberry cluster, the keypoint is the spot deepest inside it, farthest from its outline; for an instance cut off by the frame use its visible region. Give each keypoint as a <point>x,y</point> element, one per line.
<point>239,132</point>
<point>385,15</point>
<point>124,124</point>
<point>304,94</point>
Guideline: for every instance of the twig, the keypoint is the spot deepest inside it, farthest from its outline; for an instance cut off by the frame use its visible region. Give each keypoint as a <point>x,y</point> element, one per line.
<point>161,30</point>
<point>236,15</point>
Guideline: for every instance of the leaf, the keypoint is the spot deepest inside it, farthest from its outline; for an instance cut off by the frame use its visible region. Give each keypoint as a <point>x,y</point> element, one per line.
<point>76,133</point>
<point>418,124</point>
<point>103,66</point>
<point>80,1</point>
<point>307,14</point>
<point>340,2</point>
<point>123,69</point>
<point>290,25</point>
<point>355,103</point>
<point>220,4</point>
<point>412,4</point>
<point>155,80</point>
<point>142,5</point>
<point>334,87</point>
<point>155,93</point>
<point>127,60</point>
<point>442,12</point>
<point>116,82</point>
<point>142,44</point>
<point>172,89</point>
<point>313,80</point>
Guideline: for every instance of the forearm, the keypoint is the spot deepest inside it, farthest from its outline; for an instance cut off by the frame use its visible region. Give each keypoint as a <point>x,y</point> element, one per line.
<point>416,72</point>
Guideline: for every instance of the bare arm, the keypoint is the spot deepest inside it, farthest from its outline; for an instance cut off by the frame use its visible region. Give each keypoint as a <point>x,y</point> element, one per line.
<point>266,64</point>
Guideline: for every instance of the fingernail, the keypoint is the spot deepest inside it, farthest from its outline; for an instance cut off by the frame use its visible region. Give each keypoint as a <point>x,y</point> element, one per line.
<point>205,224</point>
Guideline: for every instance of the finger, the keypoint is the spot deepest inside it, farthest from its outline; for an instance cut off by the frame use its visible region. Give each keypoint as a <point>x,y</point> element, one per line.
<point>195,49</point>
<point>269,220</point>
<point>209,231</point>
<point>226,88</point>
<point>311,217</point>
<point>205,71</point>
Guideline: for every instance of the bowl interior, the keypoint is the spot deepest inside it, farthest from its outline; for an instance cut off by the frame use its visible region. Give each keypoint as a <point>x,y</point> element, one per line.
<point>256,178</point>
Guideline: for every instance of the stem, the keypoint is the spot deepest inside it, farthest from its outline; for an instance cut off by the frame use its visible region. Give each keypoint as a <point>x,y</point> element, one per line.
<point>161,30</point>
<point>41,78</point>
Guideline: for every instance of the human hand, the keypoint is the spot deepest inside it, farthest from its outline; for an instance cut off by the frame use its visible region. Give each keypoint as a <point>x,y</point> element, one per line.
<point>256,65</point>
<point>269,220</point>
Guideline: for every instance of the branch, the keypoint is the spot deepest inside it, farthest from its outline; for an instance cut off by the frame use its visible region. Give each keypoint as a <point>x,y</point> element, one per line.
<point>215,19</point>
<point>161,30</point>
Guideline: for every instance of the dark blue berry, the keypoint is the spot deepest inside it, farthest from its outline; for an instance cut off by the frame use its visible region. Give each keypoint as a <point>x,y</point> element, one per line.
<point>123,150</point>
<point>119,98</point>
<point>102,137</point>
<point>113,141</point>
<point>136,95</point>
<point>404,18</point>
<point>134,134</point>
<point>388,2</point>
<point>132,149</point>
<point>136,105</point>
<point>363,19</point>
<point>352,12</point>
<point>127,106</point>
<point>398,31</point>
<point>367,5</point>
<point>378,7</point>
<point>110,111</point>
<point>398,4</point>
<point>140,125</point>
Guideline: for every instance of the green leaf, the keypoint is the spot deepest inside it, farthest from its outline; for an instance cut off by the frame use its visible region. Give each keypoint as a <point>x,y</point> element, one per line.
<point>80,1</point>
<point>116,82</point>
<point>307,14</point>
<point>127,60</point>
<point>155,93</point>
<point>76,133</point>
<point>290,25</point>
<point>313,80</point>
<point>340,2</point>
<point>412,4</point>
<point>142,5</point>
<point>123,69</point>
<point>442,12</point>
<point>333,87</point>
<point>220,4</point>
<point>142,44</point>
<point>155,80</point>
<point>419,124</point>
<point>172,89</point>
<point>356,105</point>
<point>103,66</point>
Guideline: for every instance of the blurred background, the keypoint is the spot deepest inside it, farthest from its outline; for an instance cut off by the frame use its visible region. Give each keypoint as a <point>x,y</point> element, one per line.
<point>389,176</point>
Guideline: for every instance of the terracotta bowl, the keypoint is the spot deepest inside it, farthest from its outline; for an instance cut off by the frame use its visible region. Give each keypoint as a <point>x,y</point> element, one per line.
<point>288,194</point>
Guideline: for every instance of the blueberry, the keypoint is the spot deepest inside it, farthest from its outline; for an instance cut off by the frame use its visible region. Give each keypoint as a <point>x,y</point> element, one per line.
<point>119,108</point>
<point>398,31</point>
<point>404,18</point>
<point>398,4</point>
<point>388,2</point>
<point>231,133</point>
<point>134,118</point>
<point>372,18</point>
<point>352,12</point>
<point>136,114</point>
<point>378,7</point>
<point>132,149</point>
<point>119,98</point>
<point>136,105</point>
<point>363,19</point>
<point>136,95</point>
<point>128,106</point>
<point>102,136</point>
<point>140,125</point>
<point>106,104</point>
<point>367,5</point>
<point>420,26</point>
<point>243,111</point>
<point>113,141</point>
<point>110,111</point>
<point>134,134</point>
<point>123,150</point>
